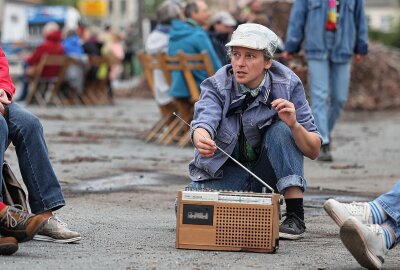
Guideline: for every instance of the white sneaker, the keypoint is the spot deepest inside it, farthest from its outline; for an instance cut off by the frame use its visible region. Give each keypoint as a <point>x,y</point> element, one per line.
<point>367,243</point>
<point>56,231</point>
<point>340,212</point>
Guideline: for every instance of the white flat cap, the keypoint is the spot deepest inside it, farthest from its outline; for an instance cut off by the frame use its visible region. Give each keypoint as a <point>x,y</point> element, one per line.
<point>254,36</point>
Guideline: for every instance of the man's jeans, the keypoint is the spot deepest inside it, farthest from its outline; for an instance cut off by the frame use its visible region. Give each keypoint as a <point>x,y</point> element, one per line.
<point>390,202</point>
<point>280,165</point>
<point>329,86</point>
<point>26,133</point>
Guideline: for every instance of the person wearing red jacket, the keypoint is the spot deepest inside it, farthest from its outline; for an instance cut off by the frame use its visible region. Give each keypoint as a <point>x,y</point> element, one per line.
<point>51,45</point>
<point>24,130</point>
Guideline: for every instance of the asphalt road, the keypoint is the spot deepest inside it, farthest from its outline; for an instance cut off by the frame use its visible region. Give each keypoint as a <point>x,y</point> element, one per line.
<point>129,223</point>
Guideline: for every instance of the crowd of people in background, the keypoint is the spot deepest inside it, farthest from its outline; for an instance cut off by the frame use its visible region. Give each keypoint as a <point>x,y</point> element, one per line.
<point>81,43</point>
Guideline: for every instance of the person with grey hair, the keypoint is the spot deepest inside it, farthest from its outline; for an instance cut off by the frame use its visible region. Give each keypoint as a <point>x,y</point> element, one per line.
<point>255,110</point>
<point>220,31</point>
<point>158,41</point>
<point>190,37</point>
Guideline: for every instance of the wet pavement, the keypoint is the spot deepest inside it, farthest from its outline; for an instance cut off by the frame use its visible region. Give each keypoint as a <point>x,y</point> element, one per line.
<point>120,192</point>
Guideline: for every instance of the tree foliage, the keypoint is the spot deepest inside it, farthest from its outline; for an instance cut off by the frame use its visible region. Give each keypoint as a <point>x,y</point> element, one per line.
<point>61,2</point>
<point>150,7</point>
<point>389,39</point>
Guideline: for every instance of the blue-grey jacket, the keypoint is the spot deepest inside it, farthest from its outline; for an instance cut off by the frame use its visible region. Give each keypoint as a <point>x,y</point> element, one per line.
<point>218,91</point>
<point>192,40</point>
<point>307,22</point>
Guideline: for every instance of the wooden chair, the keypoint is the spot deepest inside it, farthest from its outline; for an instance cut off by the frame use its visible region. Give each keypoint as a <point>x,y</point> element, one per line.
<point>45,90</point>
<point>177,131</point>
<point>95,90</point>
<point>150,62</point>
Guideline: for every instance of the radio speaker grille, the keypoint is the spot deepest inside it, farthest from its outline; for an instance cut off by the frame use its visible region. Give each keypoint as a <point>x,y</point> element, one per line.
<point>243,227</point>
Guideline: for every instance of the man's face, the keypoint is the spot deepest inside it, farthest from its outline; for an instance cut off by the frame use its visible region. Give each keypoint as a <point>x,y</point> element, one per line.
<point>202,15</point>
<point>249,66</point>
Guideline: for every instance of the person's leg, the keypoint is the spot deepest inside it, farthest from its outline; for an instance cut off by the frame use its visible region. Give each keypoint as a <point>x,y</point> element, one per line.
<point>281,165</point>
<point>390,202</point>
<point>367,243</point>
<point>281,154</point>
<point>373,212</point>
<point>318,72</point>
<point>339,80</point>
<point>15,223</point>
<point>234,178</point>
<point>26,133</point>
<point>45,195</point>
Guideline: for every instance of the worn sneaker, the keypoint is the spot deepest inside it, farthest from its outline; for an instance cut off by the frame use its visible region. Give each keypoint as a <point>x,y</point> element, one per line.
<point>292,227</point>
<point>339,212</point>
<point>325,153</point>
<point>20,224</point>
<point>8,245</point>
<point>56,231</point>
<point>367,243</point>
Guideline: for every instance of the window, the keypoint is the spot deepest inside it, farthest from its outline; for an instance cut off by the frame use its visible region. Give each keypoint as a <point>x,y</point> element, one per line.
<point>386,23</point>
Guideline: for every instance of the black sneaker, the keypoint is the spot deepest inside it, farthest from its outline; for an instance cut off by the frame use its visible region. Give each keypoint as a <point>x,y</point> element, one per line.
<point>292,227</point>
<point>325,153</point>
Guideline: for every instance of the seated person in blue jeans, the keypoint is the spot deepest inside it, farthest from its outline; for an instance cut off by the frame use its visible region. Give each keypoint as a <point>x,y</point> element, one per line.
<point>368,229</point>
<point>24,130</point>
<point>255,110</point>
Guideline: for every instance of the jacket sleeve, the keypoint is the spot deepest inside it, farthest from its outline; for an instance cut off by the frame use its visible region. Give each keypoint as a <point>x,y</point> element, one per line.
<point>361,46</point>
<point>208,109</point>
<point>5,80</point>
<point>295,32</point>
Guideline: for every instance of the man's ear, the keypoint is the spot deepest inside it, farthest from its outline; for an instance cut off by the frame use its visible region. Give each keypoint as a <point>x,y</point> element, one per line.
<point>267,63</point>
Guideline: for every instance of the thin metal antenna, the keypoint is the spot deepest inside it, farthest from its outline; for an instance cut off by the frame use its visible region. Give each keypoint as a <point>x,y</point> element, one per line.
<point>237,162</point>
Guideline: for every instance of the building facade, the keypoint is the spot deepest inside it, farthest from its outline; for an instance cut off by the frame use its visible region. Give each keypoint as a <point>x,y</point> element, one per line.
<point>383,15</point>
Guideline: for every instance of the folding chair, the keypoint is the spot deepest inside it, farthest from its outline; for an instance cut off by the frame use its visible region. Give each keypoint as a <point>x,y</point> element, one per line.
<point>177,131</point>
<point>45,90</point>
<point>150,63</point>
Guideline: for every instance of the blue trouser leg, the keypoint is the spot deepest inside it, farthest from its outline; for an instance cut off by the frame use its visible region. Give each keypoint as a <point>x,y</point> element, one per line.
<point>281,162</point>
<point>390,202</point>
<point>26,133</point>
<point>318,71</point>
<point>339,81</point>
<point>329,85</point>
<point>280,165</point>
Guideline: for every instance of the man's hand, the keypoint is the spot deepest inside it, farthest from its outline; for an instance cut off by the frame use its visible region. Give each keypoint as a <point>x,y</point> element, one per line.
<point>202,141</point>
<point>3,100</point>
<point>358,58</point>
<point>286,111</point>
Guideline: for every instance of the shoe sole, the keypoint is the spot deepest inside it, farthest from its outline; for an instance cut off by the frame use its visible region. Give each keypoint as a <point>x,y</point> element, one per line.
<point>44,238</point>
<point>8,249</point>
<point>328,207</point>
<point>287,236</point>
<point>354,241</point>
